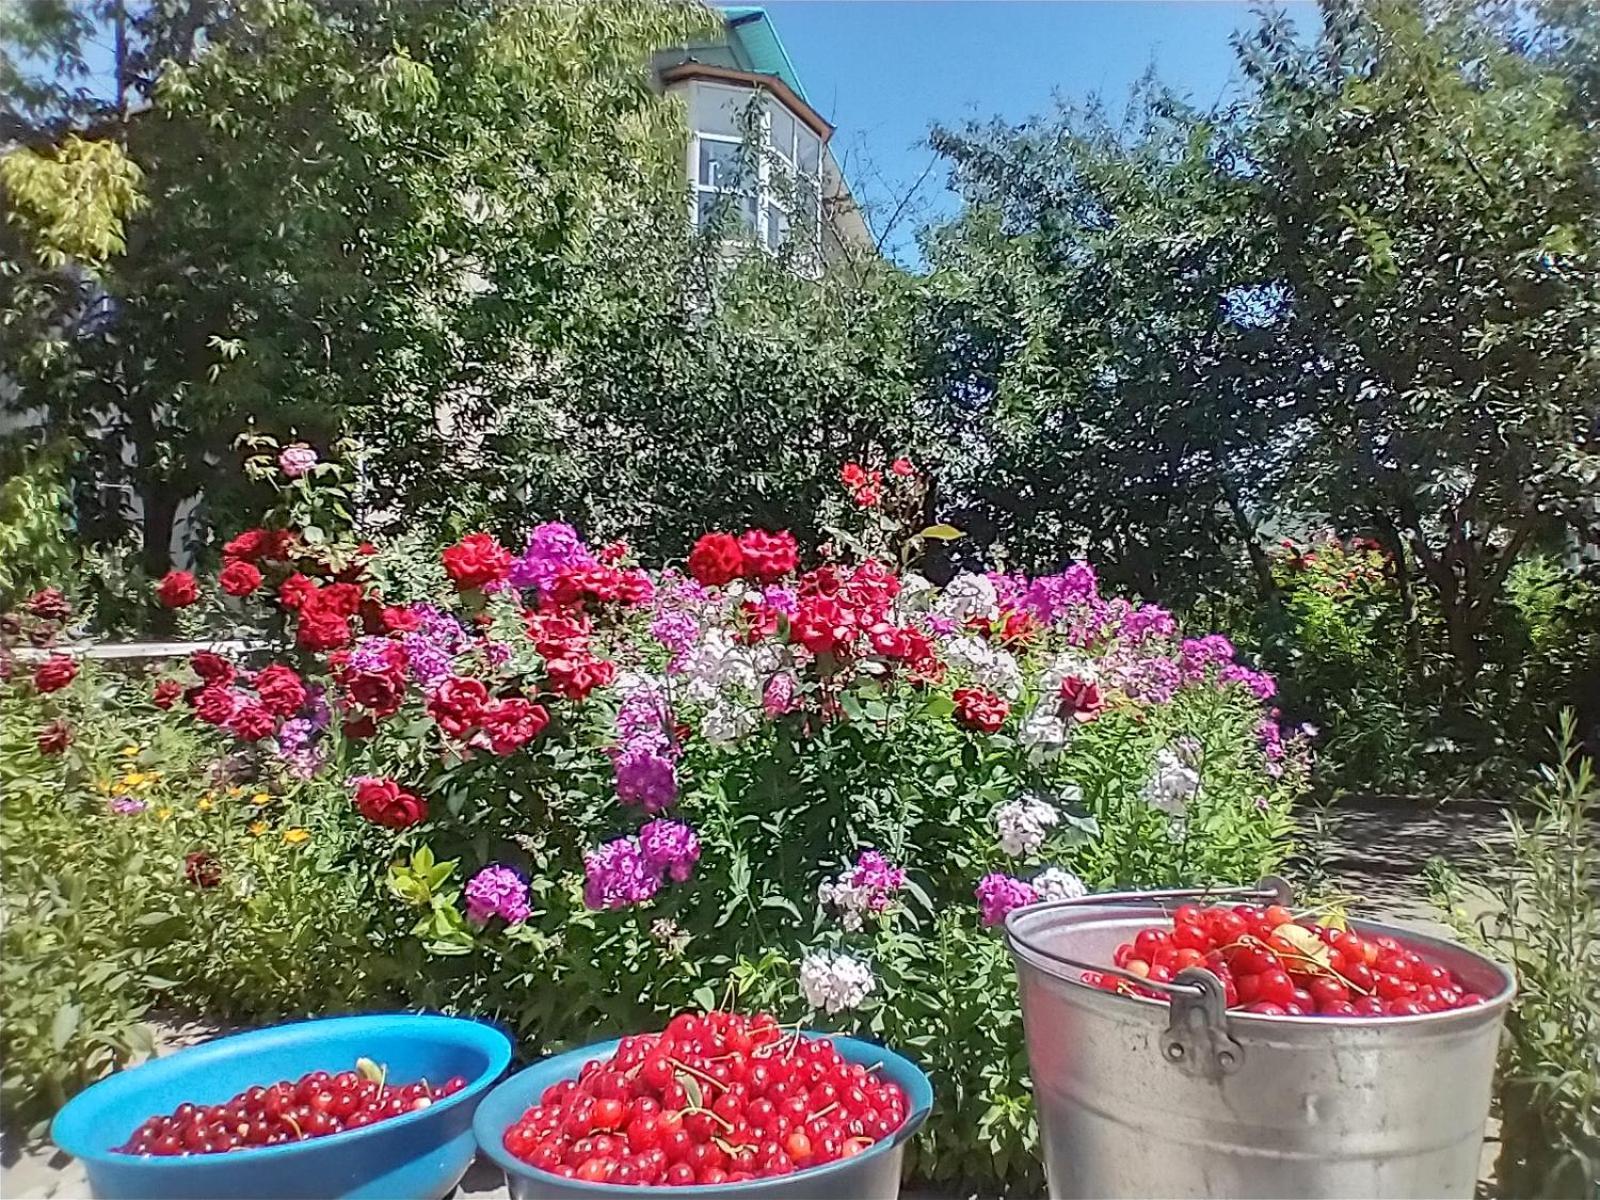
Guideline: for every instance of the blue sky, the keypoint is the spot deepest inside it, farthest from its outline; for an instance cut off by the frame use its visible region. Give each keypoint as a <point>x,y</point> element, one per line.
<point>884,71</point>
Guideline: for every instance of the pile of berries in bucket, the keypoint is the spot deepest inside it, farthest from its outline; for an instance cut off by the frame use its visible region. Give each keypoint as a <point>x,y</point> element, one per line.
<point>1272,964</point>
<point>716,1098</point>
<point>291,1110</point>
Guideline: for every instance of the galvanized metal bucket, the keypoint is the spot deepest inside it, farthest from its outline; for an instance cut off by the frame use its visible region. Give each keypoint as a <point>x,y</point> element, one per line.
<point>1140,1098</point>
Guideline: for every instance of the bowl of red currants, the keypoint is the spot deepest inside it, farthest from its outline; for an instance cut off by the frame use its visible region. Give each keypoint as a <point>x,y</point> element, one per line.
<point>364,1106</point>
<point>717,1104</point>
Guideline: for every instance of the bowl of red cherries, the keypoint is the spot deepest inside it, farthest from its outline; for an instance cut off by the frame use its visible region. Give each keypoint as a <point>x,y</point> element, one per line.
<point>719,1103</point>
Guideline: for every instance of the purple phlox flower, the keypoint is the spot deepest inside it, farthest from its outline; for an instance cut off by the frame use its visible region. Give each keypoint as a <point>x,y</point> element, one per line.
<point>616,875</point>
<point>1200,653</point>
<point>295,735</point>
<point>941,625</point>
<point>670,848</point>
<point>440,627</point>
<point>551,546</point>
<point>498,653</point>
<point>1050,597</point>
<point>644,756</point>
<point>428,661</point>
<point>878,878</point>
<point>998,894</point>
<point>1010,590</point>
<point>678,631</point>
<point>306,762</point>
<point>369,654</point>
<point>497,891</point>
<point>1146,621</point>
<point>781,597</point>
<point>1262,685</point>
<point>317,708</point>
<point>777,695</point>
<point>127,805</point>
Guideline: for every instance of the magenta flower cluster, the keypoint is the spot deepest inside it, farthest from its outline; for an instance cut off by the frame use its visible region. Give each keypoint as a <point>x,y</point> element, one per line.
<point>551,546</point>
<point>630,870</point>
<point>644,756</point>
<point>497,891</point>
<point>998,894</point>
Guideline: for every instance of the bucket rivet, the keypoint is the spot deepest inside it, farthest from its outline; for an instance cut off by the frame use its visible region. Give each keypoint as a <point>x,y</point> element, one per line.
<point>1174,1052</point>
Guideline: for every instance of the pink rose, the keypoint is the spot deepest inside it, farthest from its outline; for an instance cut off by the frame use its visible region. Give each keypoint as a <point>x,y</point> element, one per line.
<point>296,460</point>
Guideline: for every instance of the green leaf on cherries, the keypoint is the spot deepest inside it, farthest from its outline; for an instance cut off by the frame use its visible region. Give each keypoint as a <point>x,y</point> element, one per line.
<point>1307,945</point>
<point>368,1069</point>
<point>691,1089</point>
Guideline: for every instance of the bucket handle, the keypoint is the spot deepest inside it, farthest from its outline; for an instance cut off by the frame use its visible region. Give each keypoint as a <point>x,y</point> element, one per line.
<point>1196,1039</point>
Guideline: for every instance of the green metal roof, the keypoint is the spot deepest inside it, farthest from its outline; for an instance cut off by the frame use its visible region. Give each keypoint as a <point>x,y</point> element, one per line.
<point>755,41</point>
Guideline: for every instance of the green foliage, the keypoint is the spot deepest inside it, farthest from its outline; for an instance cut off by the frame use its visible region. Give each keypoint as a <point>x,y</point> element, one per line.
<point>1545,920</point>
<point>35,550</point>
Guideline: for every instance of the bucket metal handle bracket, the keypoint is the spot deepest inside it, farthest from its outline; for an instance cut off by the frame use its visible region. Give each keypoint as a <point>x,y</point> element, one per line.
<point>1196,1039</point>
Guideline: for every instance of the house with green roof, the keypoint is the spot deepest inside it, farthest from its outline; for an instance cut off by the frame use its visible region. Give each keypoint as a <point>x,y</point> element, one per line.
<point>739,86</point>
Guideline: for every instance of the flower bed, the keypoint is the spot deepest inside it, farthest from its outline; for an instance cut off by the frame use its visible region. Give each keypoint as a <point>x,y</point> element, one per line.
<point>586,794</point>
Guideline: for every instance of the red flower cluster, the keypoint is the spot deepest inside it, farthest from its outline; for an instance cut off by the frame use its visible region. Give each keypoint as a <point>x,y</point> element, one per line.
<point>324,616</point>
<point>55,672</point>
<point>577,674</point>
<point>49,604</point>
<point>476,560</point>
<point>457,705</point>
<point>384,802</point>
<point>837,610</point>
<point>865,486</point>
<point>177,589</point>
<point>166,693</point>
<point>281,691</point>
<point>979,709</point>
<point>259,545</point>
<point>562,638</point>
<point>720,558</point>
<point>217,701</point>
<point>1081,699</point>
<point>379,691</point>
<point>202,870</point>
<point>602,583</point>
<point>512,723</point>
<point>55,737</point>
<point>239,578</point>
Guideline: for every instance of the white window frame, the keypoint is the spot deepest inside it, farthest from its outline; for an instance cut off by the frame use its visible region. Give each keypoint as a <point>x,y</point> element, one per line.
<point>767,195</point>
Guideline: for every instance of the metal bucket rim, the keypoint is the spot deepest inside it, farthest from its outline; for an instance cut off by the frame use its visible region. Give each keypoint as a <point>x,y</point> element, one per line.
<point>1023,952</point>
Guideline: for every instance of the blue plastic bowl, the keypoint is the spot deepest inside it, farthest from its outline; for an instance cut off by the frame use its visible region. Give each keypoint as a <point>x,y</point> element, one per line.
<point>874,1174</point>
<point>417,1156</point>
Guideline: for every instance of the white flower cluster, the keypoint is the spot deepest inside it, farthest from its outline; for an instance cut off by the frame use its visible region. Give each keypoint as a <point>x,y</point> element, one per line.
<point>988,666</point>
<point>728,720</point>
<point>1043,731</point>
<point>1053,883</point>
<point>717,664</point>
<point>848,900</point>
<point>969,596</point>
<point>832,982</point>
<point>1023,824</point>
<point>1064,667</point>
<point>917,595</point>
<point>1172,783</point>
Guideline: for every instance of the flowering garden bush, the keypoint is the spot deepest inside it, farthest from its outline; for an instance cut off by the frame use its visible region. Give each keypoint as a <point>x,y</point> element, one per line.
<point>577,793</point>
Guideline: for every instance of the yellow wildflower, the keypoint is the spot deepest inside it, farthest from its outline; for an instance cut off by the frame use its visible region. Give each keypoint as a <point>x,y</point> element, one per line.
<point>295,836</point>
<point>135,779</point>
<point>204,804</point>
<point>236,791</point>
<point>130,752</point>
<point>258,827</point>
<point>163,813</point>
<point>261,798</point>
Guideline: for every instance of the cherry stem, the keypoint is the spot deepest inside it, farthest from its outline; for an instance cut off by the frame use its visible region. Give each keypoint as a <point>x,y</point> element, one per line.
<point>700,1075</point>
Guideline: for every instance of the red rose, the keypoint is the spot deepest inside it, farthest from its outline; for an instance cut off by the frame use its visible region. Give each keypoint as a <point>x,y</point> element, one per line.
<point>320,627</point>
<point>867,497</point>
<point>575,675</point>
<point>202,870</point>
<point>251,722</point>
<point>212,667</point>
<point>716,559</point>
<point>360,728</point>
<point>512,723</point>
<point>902,467</point>
<point>55,737</point>
<point>400,620</point>
<point>380,692</point>
<point>475,560</point>
<point>1017,626</point>
<point>55,672</point>
<point>49,604</point>
<point>342,598</point>
<point>250,545</point>
<point>852,476</point>
<point>280,689</point>
<point>1080,699</point>
<point>214,705</point>
<point>177,589</point>
<point>457,705</point>
<point>166,693</point>
<point>979,709</point>
<point>768,556</point>
<point>239,578</point>
<point>294,591</point>
<point>823,626</point>
<point>384,802</point>
<point>556,634</point>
